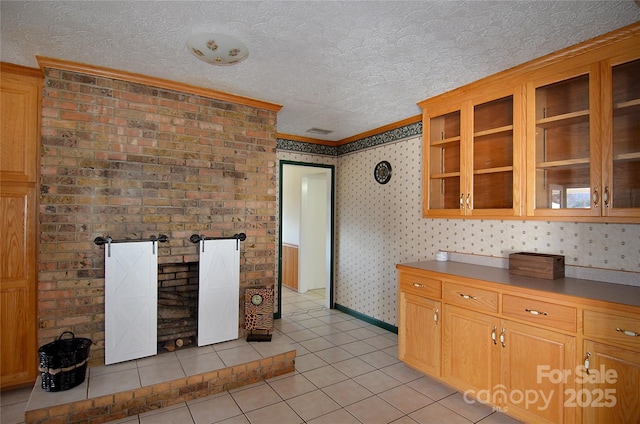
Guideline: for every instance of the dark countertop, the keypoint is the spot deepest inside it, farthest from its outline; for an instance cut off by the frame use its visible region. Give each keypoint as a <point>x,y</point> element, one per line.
<point>609,292</point>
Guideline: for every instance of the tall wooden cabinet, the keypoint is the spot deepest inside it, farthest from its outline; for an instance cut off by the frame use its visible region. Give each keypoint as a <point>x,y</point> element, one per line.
<point>20,89</point>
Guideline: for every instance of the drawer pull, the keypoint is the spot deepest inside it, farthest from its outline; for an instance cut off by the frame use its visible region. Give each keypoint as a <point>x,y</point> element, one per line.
<point>467,296</point>
<point>627,332</point>
<point>534,312</point>
<point>420,286</point>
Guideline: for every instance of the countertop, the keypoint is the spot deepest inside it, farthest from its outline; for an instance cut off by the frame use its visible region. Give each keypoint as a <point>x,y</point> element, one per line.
<point>588,289</point>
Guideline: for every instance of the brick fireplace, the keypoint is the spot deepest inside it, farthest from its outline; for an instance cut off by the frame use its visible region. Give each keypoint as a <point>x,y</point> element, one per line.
<point>129,160</point>
<point>177,305</point>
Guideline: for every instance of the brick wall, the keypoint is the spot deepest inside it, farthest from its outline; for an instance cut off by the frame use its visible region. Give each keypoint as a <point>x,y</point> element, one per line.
<point>129,161</point>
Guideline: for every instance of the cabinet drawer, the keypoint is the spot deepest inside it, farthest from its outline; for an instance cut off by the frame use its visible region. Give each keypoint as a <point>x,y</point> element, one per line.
<point>540,312</point>
<point>421,286</point>
<point>471,297</point>
<point>613,329</point>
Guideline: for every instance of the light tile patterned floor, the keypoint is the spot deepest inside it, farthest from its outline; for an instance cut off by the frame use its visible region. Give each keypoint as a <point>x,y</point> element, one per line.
<point>347,371</point>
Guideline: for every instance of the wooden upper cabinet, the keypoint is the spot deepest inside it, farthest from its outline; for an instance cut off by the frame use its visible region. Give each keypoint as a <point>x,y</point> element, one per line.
<point>20,111</point>
<point>557,138</point>
<point>472,157</point>
<point>620,134</point>
<point>583,155</point>
<point>563,166</point>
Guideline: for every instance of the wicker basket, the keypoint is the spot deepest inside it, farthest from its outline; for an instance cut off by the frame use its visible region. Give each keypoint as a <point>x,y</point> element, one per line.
<point>63,362</point>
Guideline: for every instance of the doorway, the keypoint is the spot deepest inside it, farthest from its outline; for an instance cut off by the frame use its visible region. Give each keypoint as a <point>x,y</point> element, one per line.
<point>306,229</point>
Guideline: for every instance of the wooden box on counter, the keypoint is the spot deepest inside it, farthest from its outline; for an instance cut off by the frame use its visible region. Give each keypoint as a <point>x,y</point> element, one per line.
<point>538,265</point>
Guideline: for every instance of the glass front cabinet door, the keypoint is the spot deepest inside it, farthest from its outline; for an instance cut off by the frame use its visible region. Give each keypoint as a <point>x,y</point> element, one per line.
<point>621,138</point>
<point>472,153</point>
<point>583,142</point>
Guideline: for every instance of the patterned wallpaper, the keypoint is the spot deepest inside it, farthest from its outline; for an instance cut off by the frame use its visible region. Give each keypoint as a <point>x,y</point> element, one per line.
<point>378,226</point>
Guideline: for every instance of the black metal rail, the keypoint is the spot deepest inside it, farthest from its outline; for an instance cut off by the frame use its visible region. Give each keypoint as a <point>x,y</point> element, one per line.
<point>100,241</point>
<point>197,238</point>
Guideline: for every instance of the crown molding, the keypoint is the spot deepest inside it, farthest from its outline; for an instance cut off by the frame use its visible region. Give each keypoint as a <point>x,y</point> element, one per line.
<point>21,70</point>
<point>47,62</point>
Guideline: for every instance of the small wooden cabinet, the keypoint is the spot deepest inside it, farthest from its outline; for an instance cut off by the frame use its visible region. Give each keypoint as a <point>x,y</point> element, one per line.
<point>611,353</point>
<point>419,318</point>
<point>519,349</point>
<point>19,143</point>
<point>473,156</point>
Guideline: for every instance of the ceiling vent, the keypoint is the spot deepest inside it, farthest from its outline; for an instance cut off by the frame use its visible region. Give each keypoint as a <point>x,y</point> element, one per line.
<point>319,131</point>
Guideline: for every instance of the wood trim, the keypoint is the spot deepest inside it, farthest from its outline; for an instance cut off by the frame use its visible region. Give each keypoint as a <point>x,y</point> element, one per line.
<point>47,62</point>
<point>20,70</point>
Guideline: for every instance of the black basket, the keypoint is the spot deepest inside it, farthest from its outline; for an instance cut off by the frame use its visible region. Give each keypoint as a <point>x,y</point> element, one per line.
<point>63,362</point>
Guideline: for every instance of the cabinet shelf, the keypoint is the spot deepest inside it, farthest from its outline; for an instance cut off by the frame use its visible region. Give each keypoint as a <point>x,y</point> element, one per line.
<point>439,143</point>
<point>445,175</point>
<point>498,130</point>
<point>627,108</point>
<point>569,163</point>
<point>578,117</point>
<point>627,104</point>
<point>493,170</point>
<point>627,157</point>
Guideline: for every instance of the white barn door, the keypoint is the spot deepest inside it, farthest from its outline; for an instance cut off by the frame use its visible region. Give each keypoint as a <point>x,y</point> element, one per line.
<point>131,297</point>
<point>219,292</point>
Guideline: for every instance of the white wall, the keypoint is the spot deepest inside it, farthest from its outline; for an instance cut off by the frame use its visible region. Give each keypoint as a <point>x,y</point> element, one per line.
<point>378,226</point>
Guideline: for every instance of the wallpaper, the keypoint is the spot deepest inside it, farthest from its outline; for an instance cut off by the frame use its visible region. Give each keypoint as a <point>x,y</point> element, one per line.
<point>378,226</point>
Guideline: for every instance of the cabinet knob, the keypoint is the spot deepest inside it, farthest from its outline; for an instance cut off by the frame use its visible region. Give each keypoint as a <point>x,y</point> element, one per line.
<point>605,197</point>
<point>494,335</point>
<point>596,197</point>
<point>502,337</point>
<point>461,200</point>
<point>435,315</point>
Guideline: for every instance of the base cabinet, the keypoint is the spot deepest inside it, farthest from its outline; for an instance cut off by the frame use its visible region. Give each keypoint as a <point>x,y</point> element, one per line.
<point>533,363</point>
<point>470,358</point>
<point>510,365</point>
<point>521,350</point>
<point>610,392</point>
<point>419,339</point>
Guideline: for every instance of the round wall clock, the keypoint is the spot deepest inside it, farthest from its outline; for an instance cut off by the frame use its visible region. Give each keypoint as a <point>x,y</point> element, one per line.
<point>382,172</point>
<point>256,299</point>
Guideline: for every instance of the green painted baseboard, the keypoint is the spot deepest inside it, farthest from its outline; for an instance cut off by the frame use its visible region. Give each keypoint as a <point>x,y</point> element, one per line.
<point>367,318</point>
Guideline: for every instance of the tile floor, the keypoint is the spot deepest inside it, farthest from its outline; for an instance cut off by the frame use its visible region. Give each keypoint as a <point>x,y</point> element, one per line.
<point>347,371</point>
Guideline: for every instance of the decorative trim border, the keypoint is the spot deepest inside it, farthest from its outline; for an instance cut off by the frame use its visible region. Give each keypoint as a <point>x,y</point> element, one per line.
<point>391,136</point>
<point>302,147</point>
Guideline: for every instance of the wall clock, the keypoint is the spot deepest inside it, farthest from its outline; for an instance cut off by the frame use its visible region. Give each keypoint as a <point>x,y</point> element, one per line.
<point>382,172</point>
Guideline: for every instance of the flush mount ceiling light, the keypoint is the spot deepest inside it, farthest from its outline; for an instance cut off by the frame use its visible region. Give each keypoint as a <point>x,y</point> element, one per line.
<point>217,49</point>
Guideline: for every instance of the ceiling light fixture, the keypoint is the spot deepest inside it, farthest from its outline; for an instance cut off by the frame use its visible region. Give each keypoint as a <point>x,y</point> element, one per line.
<point>217,49</point>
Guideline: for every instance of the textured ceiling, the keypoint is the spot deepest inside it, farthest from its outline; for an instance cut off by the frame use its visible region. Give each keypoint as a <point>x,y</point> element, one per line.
<point>344,66</point>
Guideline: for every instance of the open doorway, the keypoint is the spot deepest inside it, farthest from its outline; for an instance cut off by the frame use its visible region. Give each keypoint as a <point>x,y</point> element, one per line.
<point>306,229</point>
